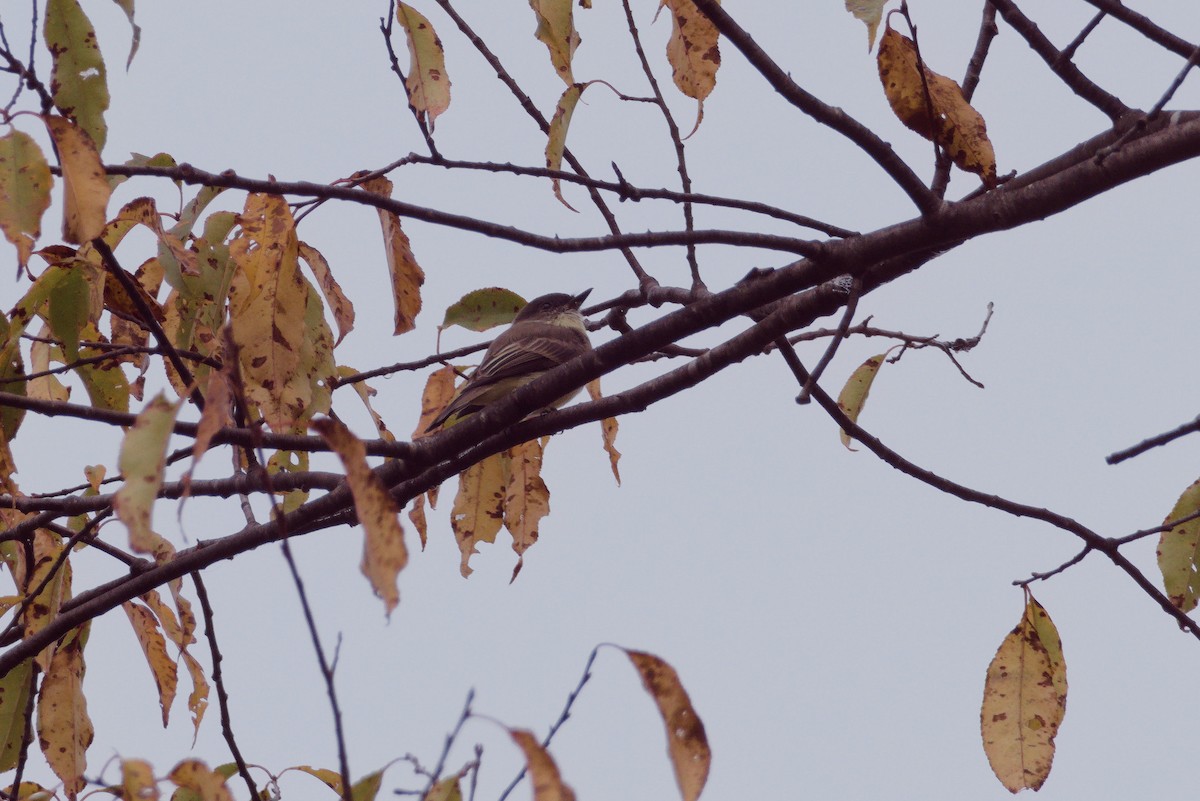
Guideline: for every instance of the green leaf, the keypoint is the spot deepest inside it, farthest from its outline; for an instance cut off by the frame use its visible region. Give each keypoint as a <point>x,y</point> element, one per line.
<point>127,7</point>
<point>24,191</point>
<point>79,82</point>
<point>483,309</point>
<point>1179,551</point>
<point>68,311</point>
<point>854,394</point>
<point>556,142</point>
<point>14,697</point>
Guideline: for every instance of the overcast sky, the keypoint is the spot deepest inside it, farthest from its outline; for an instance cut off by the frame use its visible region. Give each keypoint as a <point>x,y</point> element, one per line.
<point>831,618</point>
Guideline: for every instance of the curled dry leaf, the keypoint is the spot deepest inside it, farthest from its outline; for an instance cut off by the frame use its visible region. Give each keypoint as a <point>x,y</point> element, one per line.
<point>384,552</point>
<point>871,13</point>
<point>942,114</point>
<point>608,430</point>
<point>154,648</point>
<point>526,496</point>
<point>1024,700</point>
<point>547,783</point>
<point>687,744</point>
<point>407,275</point>
<point>556,142</point>
<point>556,29</point>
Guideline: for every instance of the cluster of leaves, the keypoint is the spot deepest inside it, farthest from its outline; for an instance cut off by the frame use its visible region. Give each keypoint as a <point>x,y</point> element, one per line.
<point>241,313</point>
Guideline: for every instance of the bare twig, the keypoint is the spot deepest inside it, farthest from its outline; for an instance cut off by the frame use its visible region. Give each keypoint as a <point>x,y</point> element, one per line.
<point>562,718</point>
<point>210,633</point>
<point>1156,441</point>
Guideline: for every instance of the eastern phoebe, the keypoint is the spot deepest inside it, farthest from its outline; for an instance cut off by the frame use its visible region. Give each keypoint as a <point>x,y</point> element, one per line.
<point>548,332</point>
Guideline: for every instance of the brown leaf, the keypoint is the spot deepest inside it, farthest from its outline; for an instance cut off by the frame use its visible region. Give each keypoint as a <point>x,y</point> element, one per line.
<point>692,52</point>
<point>547,783</point>
<point>384,553</point>
<point>85,187</point>
<point>339,304</point>
<point>608,430</point>
<point>687,743</point>
<point>953,124</point>
<point>154,648</point>
<point>407,275</point>
<point>439,391</point>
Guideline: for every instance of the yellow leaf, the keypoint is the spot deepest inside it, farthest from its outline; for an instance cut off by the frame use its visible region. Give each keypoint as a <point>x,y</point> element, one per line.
<point>445,790</point>
<point>854,394</point>
<point>556,29</point>
<point>427,81</point>
<point>198,698</point>
<point>439,391</point>
<point>556,142</point>
<point>194,775</point>
<point>332,778</point>
<point>953,124</point>
<point>1024,699</point>
<point>217,414</point>
<point>479,506</point>
<point>365,393</point>
<point>137,781</point>
<point>143,211</point>
<point>871,13</point>
<point>608,430</point>
<point>46,387</point>
<point>289,462</point>
<point>367,788</point>
<point>268,304</point>
<point>47,551</point>
<point>526,497</point>
<point>85,188</point>
<point>1179,552</point>
<point>692,52</point>
<point>384,553</point>
<point>142,460</point>
<point>547,783</point>
<point>63,727</point>
<point>14,697</point>
<point>339,304</point>
<point>687,743</point>
<point>24,191</point>
<point>417,516</point>
<point>154,648</point>
<point>79,82</point>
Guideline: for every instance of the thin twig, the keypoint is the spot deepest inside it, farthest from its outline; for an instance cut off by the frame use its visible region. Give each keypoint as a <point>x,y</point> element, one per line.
<point>436,773</point>
<point>1156,441</point>
<point>562,718</point>
<point>210,634</point>
<point>839,336</point>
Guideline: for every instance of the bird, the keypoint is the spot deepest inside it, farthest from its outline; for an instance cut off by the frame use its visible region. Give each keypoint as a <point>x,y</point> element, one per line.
<point>547,332</point>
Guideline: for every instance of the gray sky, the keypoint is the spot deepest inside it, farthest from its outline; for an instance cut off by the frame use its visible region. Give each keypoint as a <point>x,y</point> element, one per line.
<point>831,618</point>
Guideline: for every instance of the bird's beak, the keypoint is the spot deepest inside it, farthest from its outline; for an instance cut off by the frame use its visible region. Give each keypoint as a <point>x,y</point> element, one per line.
<point>581,297</point>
